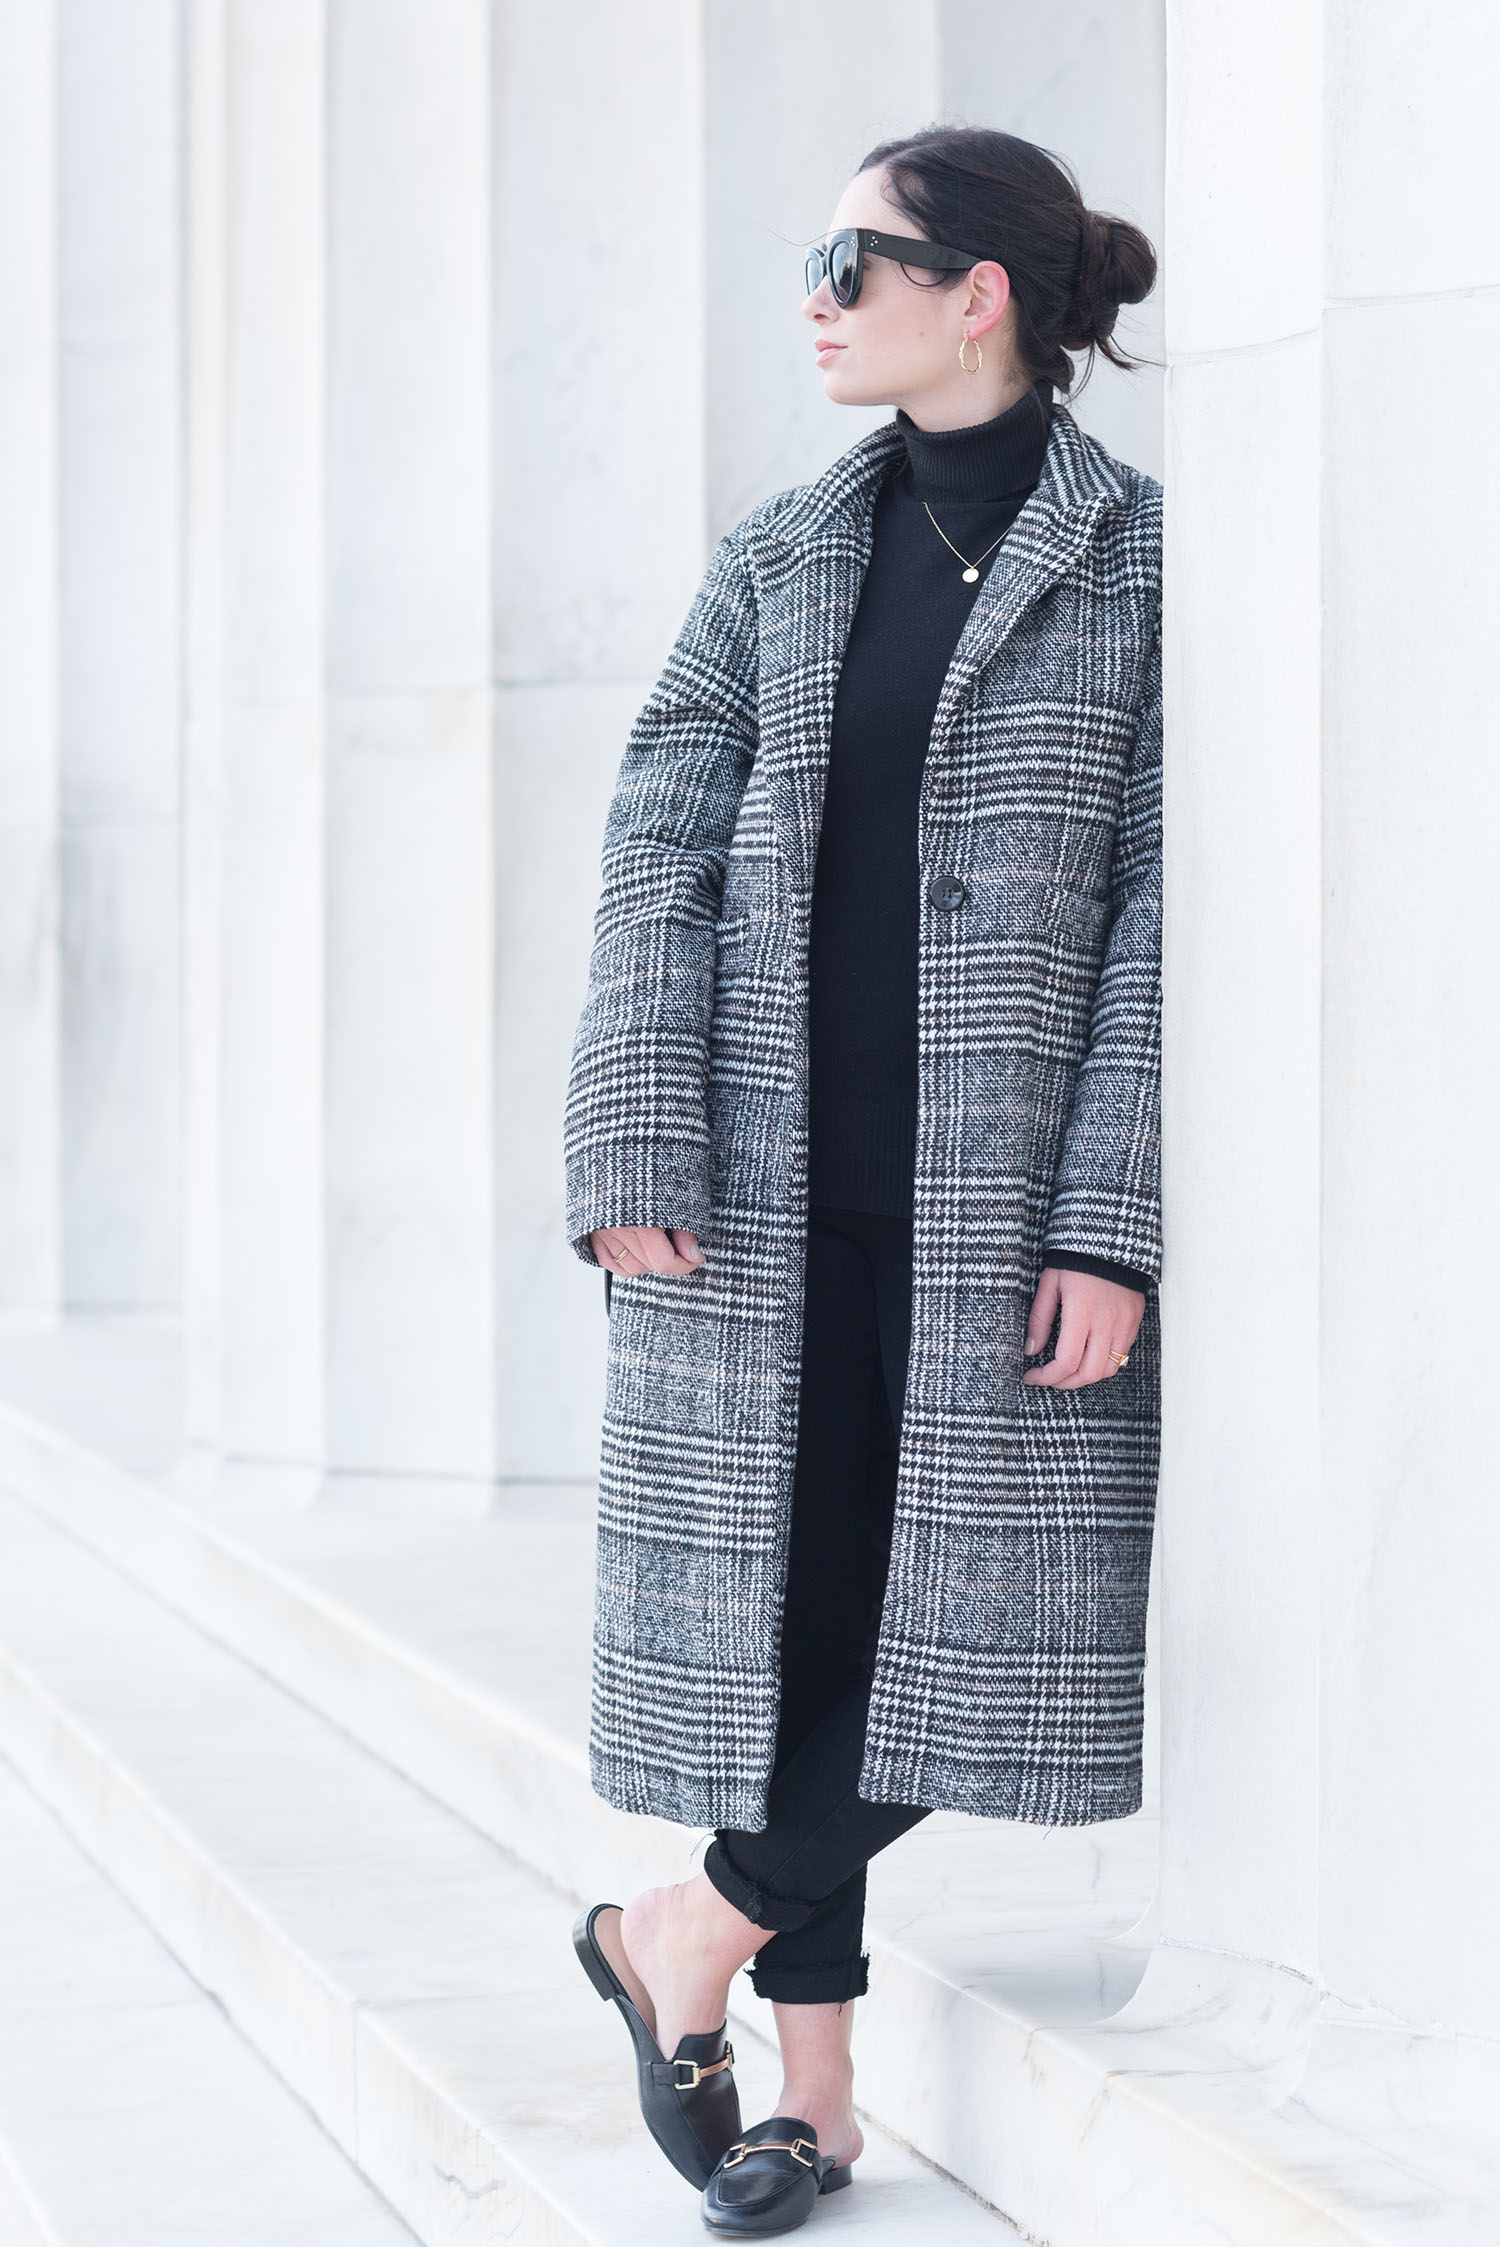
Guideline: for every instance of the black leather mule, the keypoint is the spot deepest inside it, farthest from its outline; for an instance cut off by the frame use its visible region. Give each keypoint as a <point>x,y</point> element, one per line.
<point>690,2103</point>
<point>770,2180</point>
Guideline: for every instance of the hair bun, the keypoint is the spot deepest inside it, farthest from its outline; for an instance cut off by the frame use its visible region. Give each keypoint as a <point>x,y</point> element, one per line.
<point>1116,265</point>
<point>1004,198</point>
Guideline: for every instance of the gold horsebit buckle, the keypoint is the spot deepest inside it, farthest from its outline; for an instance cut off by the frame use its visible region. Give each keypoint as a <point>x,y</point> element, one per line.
<point>742,2152</point>
<point>696,2073</point>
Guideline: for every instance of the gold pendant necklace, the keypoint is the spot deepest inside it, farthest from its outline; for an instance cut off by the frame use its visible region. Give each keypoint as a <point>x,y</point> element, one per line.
<point>971,569</point>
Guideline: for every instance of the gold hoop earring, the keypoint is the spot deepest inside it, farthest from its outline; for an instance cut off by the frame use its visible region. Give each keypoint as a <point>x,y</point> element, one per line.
<point>978,354</point>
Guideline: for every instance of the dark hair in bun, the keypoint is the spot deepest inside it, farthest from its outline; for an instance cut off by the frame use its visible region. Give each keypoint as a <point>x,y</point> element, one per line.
<point>1004,198</point>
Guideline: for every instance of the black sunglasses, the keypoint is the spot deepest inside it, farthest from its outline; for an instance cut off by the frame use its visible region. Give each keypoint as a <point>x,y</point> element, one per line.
<point>841,259</point>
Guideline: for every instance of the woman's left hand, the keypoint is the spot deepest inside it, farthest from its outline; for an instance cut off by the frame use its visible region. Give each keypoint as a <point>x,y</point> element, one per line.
<point>1098,1316</point>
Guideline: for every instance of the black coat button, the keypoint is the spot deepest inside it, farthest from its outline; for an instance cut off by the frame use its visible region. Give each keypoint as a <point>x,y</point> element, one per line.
<point>947,893</point>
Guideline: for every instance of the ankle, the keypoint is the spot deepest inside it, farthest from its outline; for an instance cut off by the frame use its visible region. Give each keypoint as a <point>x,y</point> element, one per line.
<point>712,1924</point>
<point>827,2107</point>
<point>825,2090</point>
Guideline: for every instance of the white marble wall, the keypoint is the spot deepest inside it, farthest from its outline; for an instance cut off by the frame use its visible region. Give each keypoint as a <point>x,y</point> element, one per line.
<point>1329,1530</point>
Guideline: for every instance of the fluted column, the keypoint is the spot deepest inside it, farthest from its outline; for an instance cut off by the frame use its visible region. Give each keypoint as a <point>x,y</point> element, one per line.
<point>1410,1695</point>
<point>410,848</point>
<point>119,648</point>
<point>30,1111</point>
<point>254,861</point>
<point>1333,1064</point>
<point>600,536</point>
<point>1241,1470</point>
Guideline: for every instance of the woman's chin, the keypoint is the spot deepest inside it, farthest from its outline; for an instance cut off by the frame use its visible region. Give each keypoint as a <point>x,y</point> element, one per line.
<point>842,387</point>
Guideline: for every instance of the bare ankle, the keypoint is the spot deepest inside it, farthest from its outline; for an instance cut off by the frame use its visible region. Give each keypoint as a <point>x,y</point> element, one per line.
<point>711,1921</point>
<point>686,1945</point>
<point>828,2105</point>
<point>832,2092</point>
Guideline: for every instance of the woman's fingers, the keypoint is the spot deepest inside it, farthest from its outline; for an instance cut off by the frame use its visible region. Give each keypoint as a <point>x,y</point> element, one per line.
<point>1082,1356</point>
<point>1072,1344</point>
<point>662,1252</point>
<point>629,1249</point>
<point>1096,1364</point>
<point>1043,1311</point>
<point>1099,1324</point>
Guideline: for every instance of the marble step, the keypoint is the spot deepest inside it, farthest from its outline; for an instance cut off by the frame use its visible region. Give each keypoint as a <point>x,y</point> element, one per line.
<point>1025,2033</point>
<point>406,1977</point>
<point>20,2224</point>
<point>458,1650</point>
<point>131,2113</point>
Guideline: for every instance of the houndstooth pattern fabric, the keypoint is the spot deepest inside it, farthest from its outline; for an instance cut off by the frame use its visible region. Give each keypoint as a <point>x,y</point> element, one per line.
<point>1009,1675</point>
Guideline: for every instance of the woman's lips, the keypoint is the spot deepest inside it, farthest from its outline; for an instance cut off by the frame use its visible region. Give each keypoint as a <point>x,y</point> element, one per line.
<point>826,350</point>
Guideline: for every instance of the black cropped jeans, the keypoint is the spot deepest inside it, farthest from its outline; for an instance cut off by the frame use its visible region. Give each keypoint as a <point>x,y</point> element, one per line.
<point>804,1874</point>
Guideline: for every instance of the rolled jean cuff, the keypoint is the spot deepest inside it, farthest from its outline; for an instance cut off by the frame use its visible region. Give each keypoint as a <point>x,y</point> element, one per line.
<point>777,1914</point>
<point>832,1984</point>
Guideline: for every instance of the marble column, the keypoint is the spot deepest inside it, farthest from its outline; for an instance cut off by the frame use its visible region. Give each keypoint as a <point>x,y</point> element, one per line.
<point>30,1118</point>
<point>1410,1526</point>
<point>599,538</point>
<point>410,843</point>
<point>119,648</point>
<point>1241,1471</point>
<point>1333,1067</point>
<point>255,858</point>
<point>340,877</point>
<point>205,109</point>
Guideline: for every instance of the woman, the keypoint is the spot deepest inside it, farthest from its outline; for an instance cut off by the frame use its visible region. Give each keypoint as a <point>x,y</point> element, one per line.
<point>863,1129</point>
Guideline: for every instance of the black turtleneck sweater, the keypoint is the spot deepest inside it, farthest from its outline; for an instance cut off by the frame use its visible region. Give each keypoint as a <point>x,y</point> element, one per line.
<point>866,902</point>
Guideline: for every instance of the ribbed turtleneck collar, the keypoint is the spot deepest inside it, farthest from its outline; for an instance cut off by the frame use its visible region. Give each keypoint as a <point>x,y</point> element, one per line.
<point>991,460</point>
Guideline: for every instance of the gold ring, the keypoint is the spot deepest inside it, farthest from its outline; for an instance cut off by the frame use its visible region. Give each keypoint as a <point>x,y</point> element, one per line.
<point>1125,1360</point>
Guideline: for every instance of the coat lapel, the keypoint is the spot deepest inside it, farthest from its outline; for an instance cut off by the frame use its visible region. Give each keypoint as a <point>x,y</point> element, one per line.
<point>816,554</point>
<point>813,561</point>
<point>1077,487</point>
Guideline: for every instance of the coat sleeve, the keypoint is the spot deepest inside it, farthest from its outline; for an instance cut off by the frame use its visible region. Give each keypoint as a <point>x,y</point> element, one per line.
<point>635,1131</point>
<point>1106,1198</point>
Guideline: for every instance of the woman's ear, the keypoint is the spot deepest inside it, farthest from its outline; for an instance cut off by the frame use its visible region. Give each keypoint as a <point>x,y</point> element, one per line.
<point>987,296</point>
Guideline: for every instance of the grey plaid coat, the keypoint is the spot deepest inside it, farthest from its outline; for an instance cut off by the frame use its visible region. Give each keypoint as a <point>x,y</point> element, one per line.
<point>1009,1677</point>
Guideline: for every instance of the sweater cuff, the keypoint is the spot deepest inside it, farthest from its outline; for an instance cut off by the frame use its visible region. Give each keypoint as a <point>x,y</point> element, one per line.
<point>1069,1260</point>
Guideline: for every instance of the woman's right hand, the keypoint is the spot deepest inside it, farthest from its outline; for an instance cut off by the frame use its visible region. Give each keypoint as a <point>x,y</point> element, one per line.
<point>626,1250</point>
